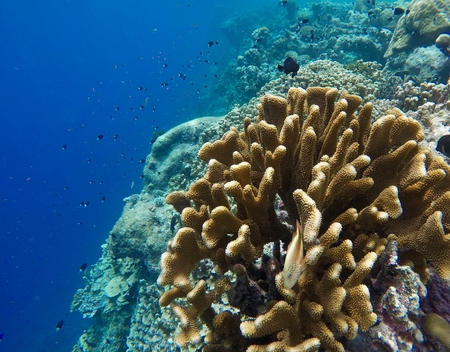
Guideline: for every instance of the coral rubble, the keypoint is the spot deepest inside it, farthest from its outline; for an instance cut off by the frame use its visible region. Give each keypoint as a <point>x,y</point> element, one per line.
<point>352,184</point>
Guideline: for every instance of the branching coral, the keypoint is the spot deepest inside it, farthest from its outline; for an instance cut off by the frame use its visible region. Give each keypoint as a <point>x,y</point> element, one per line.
<point>350,184</point>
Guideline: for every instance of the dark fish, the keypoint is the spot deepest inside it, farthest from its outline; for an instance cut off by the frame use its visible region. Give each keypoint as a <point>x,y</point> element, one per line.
<point>140,87</point>
<point>66,188</point>
<point>59,325</point>
<point>83,266</point>
<point>210,44</point>
<point>305,20</point>
<point>89,161</point>
<point>164,65</point>
<point>1,336</point>
<point>283,2</point>
<point>64,146</point>
<point>100,136</point>
<point>84,204</point>
<point>173,222</point>
<point>289,66</point>
<point>398,11</point>
<point>117,108</point>
<point>103,198</point>
<point>115,137</point>
<point>443,145</point>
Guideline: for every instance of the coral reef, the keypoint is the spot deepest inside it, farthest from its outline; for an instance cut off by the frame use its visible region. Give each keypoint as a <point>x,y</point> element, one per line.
<point>351,184</point>
<point>422,22</point>
<point>120,291</point>
<point>429,104</point>
<point>317,31</point>
<point>108,297</point>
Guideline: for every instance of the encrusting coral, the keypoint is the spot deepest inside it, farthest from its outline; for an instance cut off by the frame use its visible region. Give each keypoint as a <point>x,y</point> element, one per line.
<point>351,184</point>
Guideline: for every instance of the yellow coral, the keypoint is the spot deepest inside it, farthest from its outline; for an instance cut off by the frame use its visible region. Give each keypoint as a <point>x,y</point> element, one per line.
<point>350,183</point>
<point>437,327</point>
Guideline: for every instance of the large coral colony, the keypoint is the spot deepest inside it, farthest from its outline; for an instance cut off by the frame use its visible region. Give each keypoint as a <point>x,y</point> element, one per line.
<point>356,186</point>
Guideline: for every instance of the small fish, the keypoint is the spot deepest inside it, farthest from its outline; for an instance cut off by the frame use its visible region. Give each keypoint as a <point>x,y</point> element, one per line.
<point>59,325</point>
<point>117,108</point>
<point>295,262</point>
<point>398,11</point>
<point>165,65</point>
<point>210,44</point>
<point>140,88</point>
<point>99,137</point>
<point>305,20</point>
<point>64,147</point>
<point>289,66</point>
<point>1,336</point>
<point>83,266</point>
<point>443,145</point>
<point>115,137</point>
<point>103,198</point>
<point>173,223</point>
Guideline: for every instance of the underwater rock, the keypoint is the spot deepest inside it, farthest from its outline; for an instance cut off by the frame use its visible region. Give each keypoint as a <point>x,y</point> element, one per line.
<point>443,43</point>
<point>173,151</point>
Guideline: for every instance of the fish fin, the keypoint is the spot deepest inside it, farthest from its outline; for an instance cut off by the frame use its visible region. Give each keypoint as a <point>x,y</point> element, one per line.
<point>280,68</point>
<point>295,260</point>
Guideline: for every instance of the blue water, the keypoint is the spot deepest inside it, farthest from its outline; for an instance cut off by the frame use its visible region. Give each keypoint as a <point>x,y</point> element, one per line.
<point>66,66</point>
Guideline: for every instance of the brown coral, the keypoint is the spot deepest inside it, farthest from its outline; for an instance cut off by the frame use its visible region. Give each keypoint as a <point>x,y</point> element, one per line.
<point>349,183</point>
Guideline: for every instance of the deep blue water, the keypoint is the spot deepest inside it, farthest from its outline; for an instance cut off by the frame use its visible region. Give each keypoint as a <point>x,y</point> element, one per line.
<point>66,66</point>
